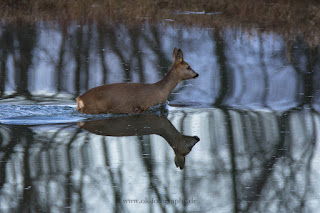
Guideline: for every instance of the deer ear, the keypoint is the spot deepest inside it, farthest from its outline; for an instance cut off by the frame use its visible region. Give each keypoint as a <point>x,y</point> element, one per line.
<point>177,55</point>
<point>175,50</point>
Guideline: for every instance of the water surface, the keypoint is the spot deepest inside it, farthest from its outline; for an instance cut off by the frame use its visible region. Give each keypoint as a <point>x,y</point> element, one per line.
<point>244,160</point>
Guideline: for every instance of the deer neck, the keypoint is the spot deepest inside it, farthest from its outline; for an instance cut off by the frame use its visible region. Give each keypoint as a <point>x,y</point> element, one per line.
<point>169,132</point>
<point>168,83</point>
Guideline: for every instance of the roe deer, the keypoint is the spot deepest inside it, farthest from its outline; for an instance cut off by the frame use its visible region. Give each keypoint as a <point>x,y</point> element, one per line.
<point>144,124</point>
<point>126,98</point>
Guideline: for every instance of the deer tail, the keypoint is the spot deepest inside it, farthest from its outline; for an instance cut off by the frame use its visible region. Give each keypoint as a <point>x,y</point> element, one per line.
<point>80,104</point>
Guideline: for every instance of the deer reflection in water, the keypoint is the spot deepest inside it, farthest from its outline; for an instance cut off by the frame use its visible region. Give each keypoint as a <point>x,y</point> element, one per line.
<point>144,124</point>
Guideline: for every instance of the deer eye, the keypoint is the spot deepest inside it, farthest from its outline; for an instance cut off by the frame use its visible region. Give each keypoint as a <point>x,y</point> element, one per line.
<point>189,68</point>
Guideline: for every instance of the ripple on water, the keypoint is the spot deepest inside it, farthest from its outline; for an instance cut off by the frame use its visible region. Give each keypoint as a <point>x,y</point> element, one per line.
<point>53,114</point>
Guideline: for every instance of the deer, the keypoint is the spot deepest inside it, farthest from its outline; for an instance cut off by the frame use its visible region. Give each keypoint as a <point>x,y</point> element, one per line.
<point>144,124</point>
<point>134,98</point>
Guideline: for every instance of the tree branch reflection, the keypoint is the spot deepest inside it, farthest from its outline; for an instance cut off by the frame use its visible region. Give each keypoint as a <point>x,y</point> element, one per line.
<point>247,161</point>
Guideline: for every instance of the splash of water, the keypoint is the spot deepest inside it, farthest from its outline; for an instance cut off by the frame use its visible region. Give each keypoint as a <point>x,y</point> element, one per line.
<point>54,114</point>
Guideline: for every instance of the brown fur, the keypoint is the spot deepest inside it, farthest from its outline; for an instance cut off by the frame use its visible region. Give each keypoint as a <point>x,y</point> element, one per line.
<point>126,98</point>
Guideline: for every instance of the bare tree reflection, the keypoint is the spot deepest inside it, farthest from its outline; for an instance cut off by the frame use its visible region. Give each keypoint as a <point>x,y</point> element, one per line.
<point>18,41</point>
<point>260,160</point>
<point>6,42</point>
<point>102,45</point>
<point>306,70</point>
<point>223,70</point>
<point>60,63</point>
<point>80,47</point>
<point>26,36</point>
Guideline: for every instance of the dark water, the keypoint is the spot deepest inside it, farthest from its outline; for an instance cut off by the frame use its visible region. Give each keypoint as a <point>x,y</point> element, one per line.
<point>243,137</point>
